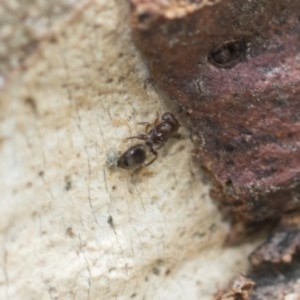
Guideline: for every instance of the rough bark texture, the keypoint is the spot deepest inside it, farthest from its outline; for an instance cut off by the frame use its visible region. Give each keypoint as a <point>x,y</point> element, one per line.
<point>71,225</point>
<point>241,289</point>
<point>268,281</point>
<point>282,246</point>
<point>233,67</point>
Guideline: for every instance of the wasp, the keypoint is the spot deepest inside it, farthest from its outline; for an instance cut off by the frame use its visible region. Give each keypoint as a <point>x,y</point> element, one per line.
<point>153,139</point>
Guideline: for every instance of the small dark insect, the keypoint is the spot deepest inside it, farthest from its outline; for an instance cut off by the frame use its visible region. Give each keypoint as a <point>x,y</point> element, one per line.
<point>133,157</point>
<point>153,139</point>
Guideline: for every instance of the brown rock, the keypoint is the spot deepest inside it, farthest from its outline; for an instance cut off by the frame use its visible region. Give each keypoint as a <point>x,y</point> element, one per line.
<point>234,69</point>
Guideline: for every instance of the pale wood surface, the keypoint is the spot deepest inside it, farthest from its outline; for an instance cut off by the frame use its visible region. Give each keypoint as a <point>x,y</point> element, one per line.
<point>66,108</point>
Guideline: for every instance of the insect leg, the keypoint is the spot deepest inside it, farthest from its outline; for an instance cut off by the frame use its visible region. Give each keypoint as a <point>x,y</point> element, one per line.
<point>156,121</point>
<point>147,125</point>
<point>141,136</point>
<point>155,156</point>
